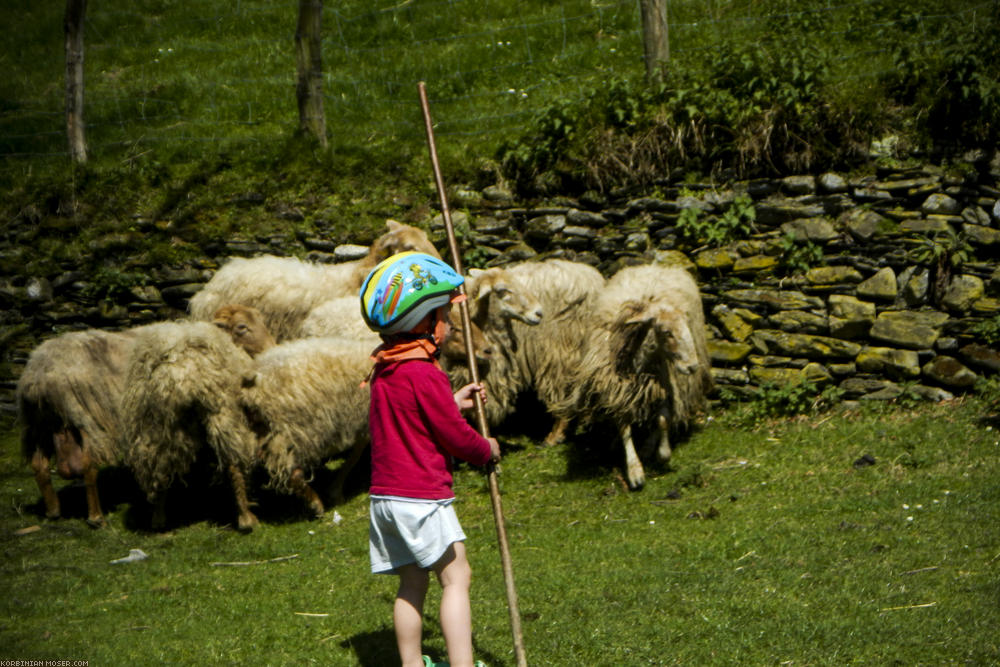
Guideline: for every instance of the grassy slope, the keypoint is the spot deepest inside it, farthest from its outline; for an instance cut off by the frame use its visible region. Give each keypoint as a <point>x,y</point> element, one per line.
<point>776,550</point>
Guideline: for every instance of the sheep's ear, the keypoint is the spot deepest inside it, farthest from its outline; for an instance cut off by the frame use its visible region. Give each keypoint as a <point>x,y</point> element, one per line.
<point>393,225</point>
<point>476,272</point>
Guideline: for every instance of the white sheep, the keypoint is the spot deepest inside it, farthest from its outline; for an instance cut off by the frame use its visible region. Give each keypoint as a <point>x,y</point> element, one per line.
<point>646,361</point>
<point>340,318</point>
<point>285,289</point>
<point>496,301</point>
<point>68,399</point>
<point>307,406</point>
<point>544,357</point>
<point>182,389</point>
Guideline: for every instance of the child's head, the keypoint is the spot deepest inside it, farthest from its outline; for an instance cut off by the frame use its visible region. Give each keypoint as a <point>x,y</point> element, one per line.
<point>410,293</point>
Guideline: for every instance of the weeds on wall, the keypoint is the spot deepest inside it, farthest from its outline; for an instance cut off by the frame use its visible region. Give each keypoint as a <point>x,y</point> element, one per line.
<point>772,401</point>
<point>735,222</point>
<point>797,257</point>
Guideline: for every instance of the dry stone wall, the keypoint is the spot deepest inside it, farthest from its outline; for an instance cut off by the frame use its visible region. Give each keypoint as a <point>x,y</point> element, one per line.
<point>903,272</point>
<point>876,284</point>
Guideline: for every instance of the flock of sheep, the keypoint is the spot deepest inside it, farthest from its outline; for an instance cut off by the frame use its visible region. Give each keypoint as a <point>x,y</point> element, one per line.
<point>267,371</point>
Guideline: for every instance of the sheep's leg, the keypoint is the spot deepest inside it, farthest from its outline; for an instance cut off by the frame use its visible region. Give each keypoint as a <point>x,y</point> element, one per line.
<point>664,451</point>
<point>345,469</point>
<point>43,477</point>
<point>159,519</point>
<point>302,489</point>
<point>633,466</point>
<point>246,520</point>
<point>558,432</point>
<point>95,518</point>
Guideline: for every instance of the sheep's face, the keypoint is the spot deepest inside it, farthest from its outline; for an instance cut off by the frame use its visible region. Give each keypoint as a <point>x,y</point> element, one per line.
<point>497,297</point>
<point>245,325</point>
<point>649,337</point>
<point>401,238</point>
<point>453,349</point>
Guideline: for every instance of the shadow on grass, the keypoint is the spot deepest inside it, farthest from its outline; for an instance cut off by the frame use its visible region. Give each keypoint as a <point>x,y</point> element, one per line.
<point>202,495</point>
<point>374,649</point>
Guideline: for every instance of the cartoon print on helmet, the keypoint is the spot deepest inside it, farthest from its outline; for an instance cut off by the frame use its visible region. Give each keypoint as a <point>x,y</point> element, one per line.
<point>403,289</point>
<point>420,275</point>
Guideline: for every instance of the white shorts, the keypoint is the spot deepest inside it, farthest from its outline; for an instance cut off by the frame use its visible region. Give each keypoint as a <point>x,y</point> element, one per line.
<point>404,531</point>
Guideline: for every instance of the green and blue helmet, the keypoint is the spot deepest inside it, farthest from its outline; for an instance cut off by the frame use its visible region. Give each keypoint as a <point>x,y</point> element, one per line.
<point>403,289</point>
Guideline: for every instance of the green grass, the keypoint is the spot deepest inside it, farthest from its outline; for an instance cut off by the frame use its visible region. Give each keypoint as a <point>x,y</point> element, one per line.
<point>168,83</point>
<point>759,547</point>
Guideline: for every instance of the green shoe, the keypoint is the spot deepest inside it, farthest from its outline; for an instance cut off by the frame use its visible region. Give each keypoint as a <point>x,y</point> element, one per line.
<point>430,663</point>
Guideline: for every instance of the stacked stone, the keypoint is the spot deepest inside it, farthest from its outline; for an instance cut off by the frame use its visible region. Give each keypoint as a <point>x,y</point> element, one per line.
<point>867,317</point>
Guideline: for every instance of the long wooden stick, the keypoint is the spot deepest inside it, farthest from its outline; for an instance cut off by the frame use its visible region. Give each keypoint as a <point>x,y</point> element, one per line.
<point>470,353</point>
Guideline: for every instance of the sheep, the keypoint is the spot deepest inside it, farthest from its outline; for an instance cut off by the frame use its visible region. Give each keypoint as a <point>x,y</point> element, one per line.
<point>306,405</point>
<point>339,317</point>
<point>646,361</point>
<point>182,388</point>
<point>245,326</point>
<point>496,301</point>
<point>542,356</point>
<point>67,398</point>
<point>285,289</point>
<point>550,353</point>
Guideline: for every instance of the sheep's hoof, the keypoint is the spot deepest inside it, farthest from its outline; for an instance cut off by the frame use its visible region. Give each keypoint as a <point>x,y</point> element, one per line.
<point>317,509</point>
<point>636,481</point>
<point>247,522</point>
<point>96,522</point>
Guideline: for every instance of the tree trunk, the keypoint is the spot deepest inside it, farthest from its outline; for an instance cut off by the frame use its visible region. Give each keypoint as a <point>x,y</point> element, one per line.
<point>73,25</point>
<point>309,89</point>
<point>655,37</point>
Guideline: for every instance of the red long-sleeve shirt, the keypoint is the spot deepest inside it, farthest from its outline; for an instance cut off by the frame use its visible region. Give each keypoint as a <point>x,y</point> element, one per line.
<point>416,429</point>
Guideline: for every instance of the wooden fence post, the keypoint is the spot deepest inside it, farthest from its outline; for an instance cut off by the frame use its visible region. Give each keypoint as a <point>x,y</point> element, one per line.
<point>655,37</point>
<point>309,60</point>
<point>73,27</point>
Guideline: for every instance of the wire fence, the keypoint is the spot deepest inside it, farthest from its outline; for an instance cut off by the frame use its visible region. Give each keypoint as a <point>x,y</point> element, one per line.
<point>210,72</point>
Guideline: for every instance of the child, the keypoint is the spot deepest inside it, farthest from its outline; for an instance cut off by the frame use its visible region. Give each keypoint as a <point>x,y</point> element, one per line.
<point>416,429</point>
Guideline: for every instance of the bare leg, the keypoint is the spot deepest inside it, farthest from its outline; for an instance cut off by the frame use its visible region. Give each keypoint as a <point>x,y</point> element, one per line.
<point>455,575</point>
<point>246,520</point>
<point>302,489</point>
<point>43,477</point>
<point>633,466</point>
<point>407,614</point>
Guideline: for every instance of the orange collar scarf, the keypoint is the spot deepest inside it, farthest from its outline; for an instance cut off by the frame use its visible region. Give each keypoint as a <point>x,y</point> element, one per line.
<point>406,350</point>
